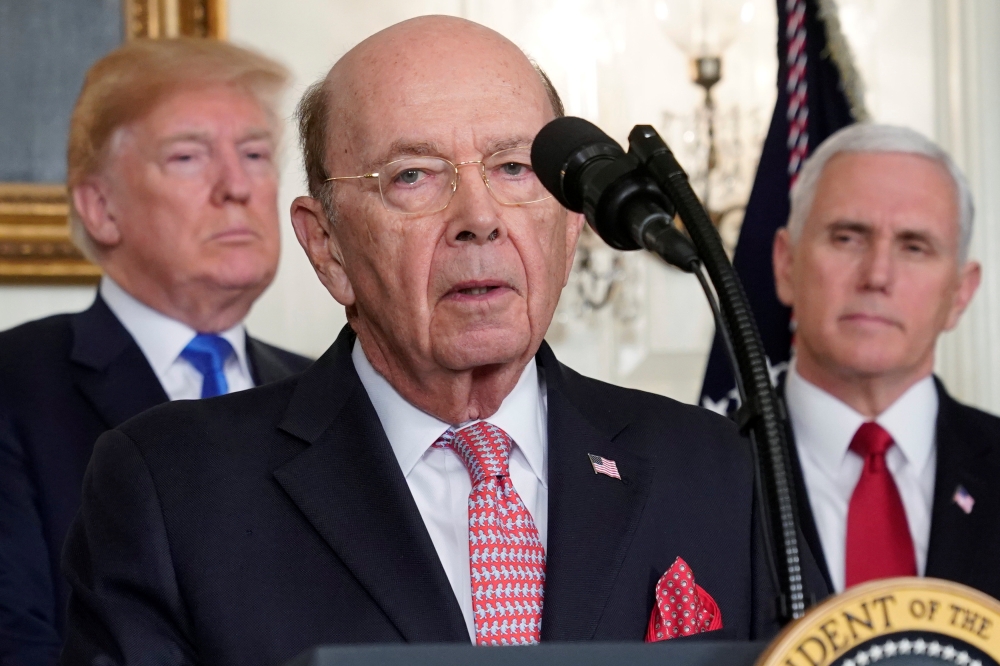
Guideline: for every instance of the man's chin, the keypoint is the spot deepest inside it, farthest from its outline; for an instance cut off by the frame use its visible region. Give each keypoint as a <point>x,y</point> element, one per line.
<point>248,276</point>
<point>871,363</point>
<point>478,349</point>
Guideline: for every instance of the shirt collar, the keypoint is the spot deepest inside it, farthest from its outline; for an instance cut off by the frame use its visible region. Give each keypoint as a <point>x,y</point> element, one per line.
<point>828,425</point>
<point>161,338</point>
<point>522,415</point>
<point>912,422</point>
<point>411,431</point>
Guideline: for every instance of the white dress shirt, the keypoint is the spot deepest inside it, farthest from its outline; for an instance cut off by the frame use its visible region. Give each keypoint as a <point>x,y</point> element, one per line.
<point>162,340</point>
<point>824,427</point>
<point>439,480</point>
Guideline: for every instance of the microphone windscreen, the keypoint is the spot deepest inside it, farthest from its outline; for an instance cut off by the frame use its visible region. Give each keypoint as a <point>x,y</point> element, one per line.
<point>555,144</point>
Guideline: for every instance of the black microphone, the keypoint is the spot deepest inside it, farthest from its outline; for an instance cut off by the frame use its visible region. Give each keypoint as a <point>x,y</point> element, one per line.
<point>589,173</point>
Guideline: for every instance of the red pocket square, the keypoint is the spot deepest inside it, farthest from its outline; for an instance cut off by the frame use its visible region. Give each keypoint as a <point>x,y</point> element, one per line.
<point>682,607</point>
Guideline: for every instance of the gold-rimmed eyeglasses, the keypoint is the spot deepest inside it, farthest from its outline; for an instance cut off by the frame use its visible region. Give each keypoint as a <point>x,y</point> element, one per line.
<point>424,185</point>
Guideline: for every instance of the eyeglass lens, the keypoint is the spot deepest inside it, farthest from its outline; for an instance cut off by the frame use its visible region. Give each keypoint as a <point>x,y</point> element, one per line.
<point>427,184</point>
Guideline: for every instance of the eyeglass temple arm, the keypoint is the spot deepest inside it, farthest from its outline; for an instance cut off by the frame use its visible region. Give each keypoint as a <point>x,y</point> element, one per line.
<point>365,175</point>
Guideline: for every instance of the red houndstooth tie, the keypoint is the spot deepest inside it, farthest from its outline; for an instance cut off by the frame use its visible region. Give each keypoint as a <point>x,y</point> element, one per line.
<point>507,560</point>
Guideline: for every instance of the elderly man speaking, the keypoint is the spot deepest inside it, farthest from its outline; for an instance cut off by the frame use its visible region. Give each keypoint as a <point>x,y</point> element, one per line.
<point>437,475</point>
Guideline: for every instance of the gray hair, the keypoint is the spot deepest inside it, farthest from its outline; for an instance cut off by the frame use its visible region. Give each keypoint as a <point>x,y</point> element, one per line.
<point>874,138</point>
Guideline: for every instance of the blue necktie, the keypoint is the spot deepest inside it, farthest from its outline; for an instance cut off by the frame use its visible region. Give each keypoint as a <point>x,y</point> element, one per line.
<point>208,352</point>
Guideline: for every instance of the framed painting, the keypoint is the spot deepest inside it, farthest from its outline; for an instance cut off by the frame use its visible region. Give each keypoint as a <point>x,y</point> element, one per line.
<point>46,47</point>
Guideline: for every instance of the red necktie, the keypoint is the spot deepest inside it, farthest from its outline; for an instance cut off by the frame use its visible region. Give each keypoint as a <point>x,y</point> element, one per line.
<point>507,560</point>
<point>878,537</point>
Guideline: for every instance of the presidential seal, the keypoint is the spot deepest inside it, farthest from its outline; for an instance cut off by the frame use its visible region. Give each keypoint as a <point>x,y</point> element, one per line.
<point>896,622</point>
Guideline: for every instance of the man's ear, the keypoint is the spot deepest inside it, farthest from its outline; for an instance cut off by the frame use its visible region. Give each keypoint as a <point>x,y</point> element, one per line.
<point>92,202</point>
<point>782,256</point>
<point>315,234</point>
<point>968,281</point>
<point>574,226</point>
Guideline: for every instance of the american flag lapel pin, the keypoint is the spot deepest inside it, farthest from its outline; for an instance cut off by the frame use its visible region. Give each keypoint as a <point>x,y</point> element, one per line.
<point>963,499</point>
<point>604,466</point>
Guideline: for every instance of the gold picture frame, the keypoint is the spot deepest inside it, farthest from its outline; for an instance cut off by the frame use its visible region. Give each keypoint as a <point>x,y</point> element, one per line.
<point>35,244</point>
<point>175,18</point>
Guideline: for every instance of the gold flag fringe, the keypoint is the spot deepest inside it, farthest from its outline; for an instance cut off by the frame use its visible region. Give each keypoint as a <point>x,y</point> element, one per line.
<point>840,52</point>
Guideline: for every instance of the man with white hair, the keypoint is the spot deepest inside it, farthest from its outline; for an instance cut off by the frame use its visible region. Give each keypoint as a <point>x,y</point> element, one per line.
<point>896,478</point>
<point>173,190</point>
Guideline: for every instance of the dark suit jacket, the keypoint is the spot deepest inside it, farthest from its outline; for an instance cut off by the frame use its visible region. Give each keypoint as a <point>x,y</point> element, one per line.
<point>247,528</point>
<point>63,381</point>
<point>964,548</point>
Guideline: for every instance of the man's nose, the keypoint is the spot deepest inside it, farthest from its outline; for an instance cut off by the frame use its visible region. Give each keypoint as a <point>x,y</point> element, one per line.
<point>232,182</point>
<point>879,266</point>
<point>474,215</point>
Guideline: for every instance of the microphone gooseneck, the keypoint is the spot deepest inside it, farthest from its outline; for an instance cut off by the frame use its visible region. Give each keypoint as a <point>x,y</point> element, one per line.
<point>630,199</point>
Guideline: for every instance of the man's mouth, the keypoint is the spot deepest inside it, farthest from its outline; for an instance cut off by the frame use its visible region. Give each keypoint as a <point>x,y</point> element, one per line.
<point>867,319</point>
<point>478,289</point>
<point>236,233</point>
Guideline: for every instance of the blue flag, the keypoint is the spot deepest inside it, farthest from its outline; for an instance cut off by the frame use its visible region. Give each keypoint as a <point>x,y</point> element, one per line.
<point>812,104</point>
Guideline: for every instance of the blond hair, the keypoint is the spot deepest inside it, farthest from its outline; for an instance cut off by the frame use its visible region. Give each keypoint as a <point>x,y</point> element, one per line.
<point>125,85</point>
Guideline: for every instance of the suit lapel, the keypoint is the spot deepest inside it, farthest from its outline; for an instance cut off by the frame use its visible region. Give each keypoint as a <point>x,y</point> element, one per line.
<point>592,517</point>
<point>807,523</point>
<point>960,461</point>
<point>110,369</point>
<point>265,365</point>
<point>349,486</point>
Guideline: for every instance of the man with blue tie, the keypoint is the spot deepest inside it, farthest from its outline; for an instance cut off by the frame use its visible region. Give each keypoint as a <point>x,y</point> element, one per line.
<point>173,184</point>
